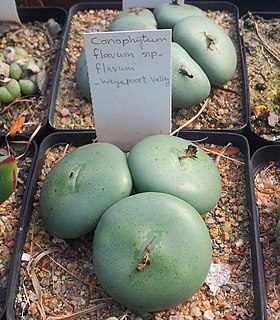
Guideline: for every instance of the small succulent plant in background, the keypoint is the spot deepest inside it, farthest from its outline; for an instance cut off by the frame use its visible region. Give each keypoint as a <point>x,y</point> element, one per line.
<point>18,74</point>
<point>8,176</point>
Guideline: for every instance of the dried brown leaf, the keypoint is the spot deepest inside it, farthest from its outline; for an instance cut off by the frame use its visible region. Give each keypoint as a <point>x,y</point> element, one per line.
<point>221,153</point>
<point>229,151</point>
<point>42,81</point>
<point>4,70</point>
<point>54,27</point>
<point>75,315</point>
<point>258,110</point>
<point>31,66</point>
<point>17,126</point>
<point>35,282</point>
<point>9,54</point>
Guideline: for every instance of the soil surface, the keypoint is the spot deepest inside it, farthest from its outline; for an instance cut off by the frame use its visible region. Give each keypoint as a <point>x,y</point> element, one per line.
<point>267,190</point>
<point>262,50</point>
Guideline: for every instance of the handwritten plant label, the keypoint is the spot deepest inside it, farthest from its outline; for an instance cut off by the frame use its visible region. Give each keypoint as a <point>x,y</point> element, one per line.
<point>130,83</point>
<point>8,11</point>
<point>127,4</point>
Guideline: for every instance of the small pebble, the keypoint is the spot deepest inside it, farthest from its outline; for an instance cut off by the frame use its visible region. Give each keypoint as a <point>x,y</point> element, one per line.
<point>64,112</point>
<point>208,315</point>
<point>177,317</point>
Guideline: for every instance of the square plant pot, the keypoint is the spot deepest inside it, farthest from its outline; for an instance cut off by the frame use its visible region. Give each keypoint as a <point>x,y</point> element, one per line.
<point>266,170</point>
<point>70,110</point>
<point>261,50</point>
<point>11,211</point>
<point>40,35</point>
<point>63,269</point>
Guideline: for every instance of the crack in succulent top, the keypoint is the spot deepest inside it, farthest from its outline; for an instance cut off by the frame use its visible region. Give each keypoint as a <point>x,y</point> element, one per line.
<point>190,152</point>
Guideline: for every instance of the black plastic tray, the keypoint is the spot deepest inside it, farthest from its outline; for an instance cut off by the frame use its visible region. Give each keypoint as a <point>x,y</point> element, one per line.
<point>32,14</point>
<point>12,282</point>
<point>81,138</point>
<point>256,5</point>
<point>117,5</point>
<point>243,6</point>
<point>256,141</point>
<point>260,159</point>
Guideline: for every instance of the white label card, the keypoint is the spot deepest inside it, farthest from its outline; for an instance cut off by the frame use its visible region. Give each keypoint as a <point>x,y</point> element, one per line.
<point>130,83</point>
<point>128,4</point>
<point>8,11</point>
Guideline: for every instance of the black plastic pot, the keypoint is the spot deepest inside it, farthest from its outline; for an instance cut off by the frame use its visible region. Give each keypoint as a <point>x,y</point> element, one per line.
<point>12,282</point>
<point>256,141</point>
<point>243,6</point>
<point>31,15</point>
<point>117,5</point>
<point>260,160</point>
<point>81,138</point>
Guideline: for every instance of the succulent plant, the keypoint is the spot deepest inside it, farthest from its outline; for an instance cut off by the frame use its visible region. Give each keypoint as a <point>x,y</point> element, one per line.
<point>18,74</point>
<point>9,91</point>
<point>12,54</point>
<point>8,176</point>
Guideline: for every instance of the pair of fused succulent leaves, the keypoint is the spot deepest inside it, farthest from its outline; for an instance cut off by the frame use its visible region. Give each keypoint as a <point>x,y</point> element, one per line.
<point>18,74</point>
<point>8,176</point>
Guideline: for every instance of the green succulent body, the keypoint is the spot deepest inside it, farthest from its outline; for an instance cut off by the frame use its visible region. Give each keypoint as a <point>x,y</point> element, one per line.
<point>20,53</point>
<point>134,19</point>
<point>151,251</point>
<point>29,86</point>
<point>168,14</point>
<point>9,91</point>
<point>15,71</point>
<point>190,84</point>
<point>8,176</point>
<point>82,75</point>
<point>81,186</point>
<point>209,45</point>
<point>168,164</point>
